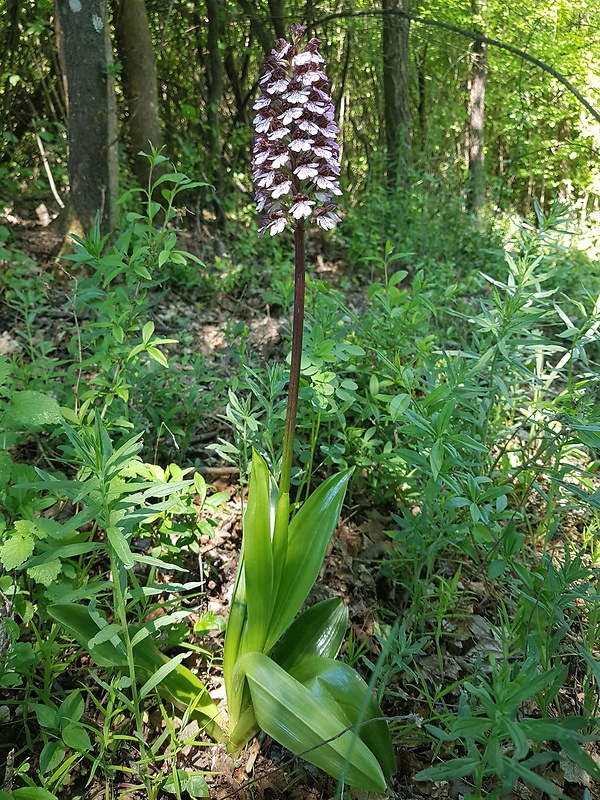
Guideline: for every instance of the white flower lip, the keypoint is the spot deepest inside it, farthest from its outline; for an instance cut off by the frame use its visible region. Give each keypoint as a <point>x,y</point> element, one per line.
<point>302,58</point>
<point>281,189</point>
<point>303,208</point>
<point>280,160</point>
<point>306,171</point>
<point>296,96</point>
<point>290,114</point>
<point>277,87</point>
<point>278,133</point>
<point>301,145</point>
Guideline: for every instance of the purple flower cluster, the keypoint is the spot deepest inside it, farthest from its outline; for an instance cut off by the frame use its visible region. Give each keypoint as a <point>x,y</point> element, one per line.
<point>296,154</point>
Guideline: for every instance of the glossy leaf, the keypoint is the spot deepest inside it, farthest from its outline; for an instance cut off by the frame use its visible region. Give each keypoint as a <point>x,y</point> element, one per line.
<point>233,636</point>
<point>288,712</point>
<point>309,534</point>
<point>318,631</point>
<point>258,554</point>
<point>336,686</point>
<point>280,538</point>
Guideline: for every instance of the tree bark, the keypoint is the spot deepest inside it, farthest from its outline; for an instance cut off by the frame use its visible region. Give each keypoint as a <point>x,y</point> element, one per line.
<point>215,92</point>
<point>277,9</point>
<point>140,84</point>
<point>86,60</point>
<point>476,119</point>
<point>422,95</point>
<point>395,92</point>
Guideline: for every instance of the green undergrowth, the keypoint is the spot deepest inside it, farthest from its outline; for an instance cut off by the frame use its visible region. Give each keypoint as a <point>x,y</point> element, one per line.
<point>462,392</point>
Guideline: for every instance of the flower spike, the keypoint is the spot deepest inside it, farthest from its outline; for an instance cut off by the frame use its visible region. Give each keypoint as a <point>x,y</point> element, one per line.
<point>296,153</point>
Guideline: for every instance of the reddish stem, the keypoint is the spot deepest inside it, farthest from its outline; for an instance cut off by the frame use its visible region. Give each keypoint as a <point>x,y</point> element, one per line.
<point>297,331</point>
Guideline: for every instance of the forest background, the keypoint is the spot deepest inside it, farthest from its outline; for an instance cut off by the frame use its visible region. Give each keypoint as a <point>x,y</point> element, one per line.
<point>450,359</point>
<point>441,99</point>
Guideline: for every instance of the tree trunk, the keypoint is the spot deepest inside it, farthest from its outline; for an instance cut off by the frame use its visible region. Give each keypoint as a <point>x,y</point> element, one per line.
<point>86,60</point>
<point>257,28</point>
<point>395,92</point>
<point>277,9</point>
<point>140,84</point>
<point>309,17</point>
<point>476,115</point>
<point>215,92</point>
<point>565,186</point>
<point>422,95</point>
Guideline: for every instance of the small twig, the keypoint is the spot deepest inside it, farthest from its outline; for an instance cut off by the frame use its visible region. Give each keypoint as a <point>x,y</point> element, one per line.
<point>218,470</point>
<point>173,439</point>
<point>48,170</point>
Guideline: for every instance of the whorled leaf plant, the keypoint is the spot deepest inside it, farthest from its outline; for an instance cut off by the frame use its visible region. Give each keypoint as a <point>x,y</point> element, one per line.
<point>280,669</point>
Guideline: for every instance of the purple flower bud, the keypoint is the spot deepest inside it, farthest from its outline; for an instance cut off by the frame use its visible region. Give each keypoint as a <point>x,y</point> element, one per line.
<point>296,154</point>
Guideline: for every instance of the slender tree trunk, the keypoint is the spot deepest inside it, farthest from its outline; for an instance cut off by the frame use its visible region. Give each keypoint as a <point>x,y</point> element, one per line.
<point>86,60</point>
<point>215,92</point>
<point>565,188</point>
<point>422,96</point>
<point>259,30</point>
<point>309,17</point>
<point>395,91</point>
<point>277,9</point>
<point>476,118</point>
<point>140,84</point>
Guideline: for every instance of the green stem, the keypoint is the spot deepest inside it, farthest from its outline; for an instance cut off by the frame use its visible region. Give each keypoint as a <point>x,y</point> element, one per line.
<point>294,384</point>
<point>119,577</point>
<point>490,398</point>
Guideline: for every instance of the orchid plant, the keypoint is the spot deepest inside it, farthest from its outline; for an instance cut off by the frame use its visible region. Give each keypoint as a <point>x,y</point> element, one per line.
<point>280,668</point>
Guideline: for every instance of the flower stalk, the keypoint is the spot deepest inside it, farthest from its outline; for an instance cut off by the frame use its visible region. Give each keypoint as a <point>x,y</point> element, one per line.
<point>296,172</point>
<point>296,358</point>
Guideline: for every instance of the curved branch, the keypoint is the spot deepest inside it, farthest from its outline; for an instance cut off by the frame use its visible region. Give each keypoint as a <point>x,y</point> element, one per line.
<point>475,36</point>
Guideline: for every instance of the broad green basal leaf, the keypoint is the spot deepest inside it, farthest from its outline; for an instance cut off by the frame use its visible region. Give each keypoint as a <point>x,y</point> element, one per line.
<point>336,686</point>
<point>309,533</point>
<point>288,712</point>
<point>318,631</point>
<point>258,554</point>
